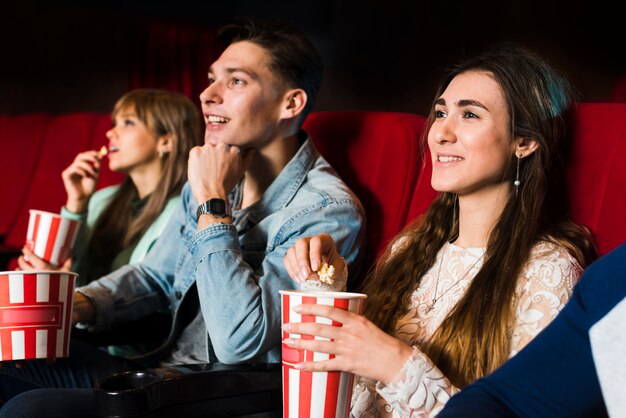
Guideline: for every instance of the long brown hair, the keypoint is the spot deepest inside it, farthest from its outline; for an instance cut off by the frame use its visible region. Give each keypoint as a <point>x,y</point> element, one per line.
<point>474,339</point>
<point>163,113</point>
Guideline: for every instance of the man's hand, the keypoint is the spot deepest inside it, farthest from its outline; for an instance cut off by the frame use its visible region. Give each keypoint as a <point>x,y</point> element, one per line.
<point>84,310</point>
<point>214,170</point>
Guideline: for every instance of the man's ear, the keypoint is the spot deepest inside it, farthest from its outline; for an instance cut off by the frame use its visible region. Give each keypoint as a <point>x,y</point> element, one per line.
<point>525,146</point>
<point>294,103</point>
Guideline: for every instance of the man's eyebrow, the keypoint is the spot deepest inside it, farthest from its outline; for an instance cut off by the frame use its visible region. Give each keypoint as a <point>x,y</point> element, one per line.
<point>231,70</point>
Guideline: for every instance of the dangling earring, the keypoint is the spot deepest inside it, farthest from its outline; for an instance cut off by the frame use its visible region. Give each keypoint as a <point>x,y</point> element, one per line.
<point>517,182</point>
<point>161,154</point>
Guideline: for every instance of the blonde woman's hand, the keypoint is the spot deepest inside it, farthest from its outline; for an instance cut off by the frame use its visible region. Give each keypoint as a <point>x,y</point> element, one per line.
<point>359,346</point>
<point>307,255</point>
<point>28,261</point>
<point>80,180</point>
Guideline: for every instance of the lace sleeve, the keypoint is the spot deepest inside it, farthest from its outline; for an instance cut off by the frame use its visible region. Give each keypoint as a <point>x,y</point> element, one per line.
<point>420,390</point>
<point>545,286</point>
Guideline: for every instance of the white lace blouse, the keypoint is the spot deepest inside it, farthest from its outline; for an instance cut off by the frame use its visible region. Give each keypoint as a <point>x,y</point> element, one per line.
<point>421,389</point>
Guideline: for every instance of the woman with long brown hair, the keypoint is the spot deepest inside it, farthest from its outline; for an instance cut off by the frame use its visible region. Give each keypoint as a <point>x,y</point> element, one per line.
<point>152,134</point>
<point>487,267</point>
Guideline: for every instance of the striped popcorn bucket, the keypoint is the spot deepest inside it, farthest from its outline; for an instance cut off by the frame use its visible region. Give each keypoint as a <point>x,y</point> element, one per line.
<point>315,394</point>
<point>35,314</point>
<point>50,236</point>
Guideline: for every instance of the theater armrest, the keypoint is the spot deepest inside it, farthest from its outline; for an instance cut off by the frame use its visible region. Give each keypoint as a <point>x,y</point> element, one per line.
<point>195,390</point>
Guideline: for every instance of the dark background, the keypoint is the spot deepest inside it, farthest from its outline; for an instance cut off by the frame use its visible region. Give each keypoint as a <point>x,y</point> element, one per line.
<point>68,56</point>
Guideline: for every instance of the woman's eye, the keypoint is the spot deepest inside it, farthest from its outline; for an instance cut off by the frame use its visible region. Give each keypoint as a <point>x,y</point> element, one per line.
<point>469,115</point>
<point>128,122</point>
<point>439,114</point>
<point>238,81</point>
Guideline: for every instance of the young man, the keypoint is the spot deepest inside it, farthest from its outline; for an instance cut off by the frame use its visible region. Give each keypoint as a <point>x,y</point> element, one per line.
<point>255,187</point>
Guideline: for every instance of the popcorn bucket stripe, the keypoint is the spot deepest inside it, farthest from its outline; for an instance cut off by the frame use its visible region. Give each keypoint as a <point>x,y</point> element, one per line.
<point>317,394</point>
<point>5,345</point>
<point>294,393</point>
<point>306,378</point>
<point>29,296</point>
<point>53,286</point>
<point>65,296</point>
<point>285,386</point>
<point>53,233</point>
<point>346,391</point>
<point>17,345</point>
<point>65,236</point>
<point>41,341</point>
<point>33,229</point>
<point>332,394</point>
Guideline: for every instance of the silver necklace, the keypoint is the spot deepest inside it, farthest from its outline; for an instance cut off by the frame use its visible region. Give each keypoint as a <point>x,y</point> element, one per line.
<point>435,297</point>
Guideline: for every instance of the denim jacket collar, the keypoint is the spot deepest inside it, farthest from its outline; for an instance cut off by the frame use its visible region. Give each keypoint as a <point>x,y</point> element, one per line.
<point>283,188</point>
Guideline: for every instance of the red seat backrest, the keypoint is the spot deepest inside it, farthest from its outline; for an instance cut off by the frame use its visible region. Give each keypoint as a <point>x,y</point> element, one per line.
<point>376,154</point>
<point>596,173</point>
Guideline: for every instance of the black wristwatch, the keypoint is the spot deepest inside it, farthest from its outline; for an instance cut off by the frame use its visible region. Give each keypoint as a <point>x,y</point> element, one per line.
<point>216,207</point>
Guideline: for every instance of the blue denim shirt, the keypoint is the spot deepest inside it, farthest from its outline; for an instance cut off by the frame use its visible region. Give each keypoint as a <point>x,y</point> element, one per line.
<point>238,268</point>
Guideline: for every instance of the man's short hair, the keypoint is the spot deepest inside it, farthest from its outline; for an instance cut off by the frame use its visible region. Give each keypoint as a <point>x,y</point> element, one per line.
<point>292,56</point>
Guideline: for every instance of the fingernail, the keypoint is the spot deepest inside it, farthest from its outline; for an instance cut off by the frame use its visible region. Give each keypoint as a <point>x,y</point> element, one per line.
<point>299,366</point>
<point>287,327</point>
<point>304,273</point>
<point>288,341</point>
<point>315,265</point>
<point>297,308</point>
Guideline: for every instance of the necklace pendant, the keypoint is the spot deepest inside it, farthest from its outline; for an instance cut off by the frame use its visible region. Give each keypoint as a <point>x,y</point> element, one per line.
<point>431,306</point>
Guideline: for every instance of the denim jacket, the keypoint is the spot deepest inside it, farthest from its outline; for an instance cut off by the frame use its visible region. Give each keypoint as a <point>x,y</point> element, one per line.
<point>238,269</point>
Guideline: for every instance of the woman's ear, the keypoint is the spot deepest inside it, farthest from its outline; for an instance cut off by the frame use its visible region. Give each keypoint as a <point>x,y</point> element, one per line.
<point>294,103</point>
<point>165,144</point>
<point>525,146</point>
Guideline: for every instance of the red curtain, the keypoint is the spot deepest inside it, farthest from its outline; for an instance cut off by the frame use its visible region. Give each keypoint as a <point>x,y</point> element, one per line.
<point>172,56</point>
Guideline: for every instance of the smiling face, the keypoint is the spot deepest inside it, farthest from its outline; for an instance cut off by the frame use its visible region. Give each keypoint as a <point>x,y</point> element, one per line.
<point>469,140</point>
<point>242,103</point>
<point>132,146</point>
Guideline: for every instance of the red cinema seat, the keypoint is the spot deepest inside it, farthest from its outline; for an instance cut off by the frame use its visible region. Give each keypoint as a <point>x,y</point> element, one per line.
<point>376,154</point>
<point>596,174</point>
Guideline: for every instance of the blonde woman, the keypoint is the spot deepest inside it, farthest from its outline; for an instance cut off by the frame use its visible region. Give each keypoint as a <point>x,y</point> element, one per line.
<point>152,134</point>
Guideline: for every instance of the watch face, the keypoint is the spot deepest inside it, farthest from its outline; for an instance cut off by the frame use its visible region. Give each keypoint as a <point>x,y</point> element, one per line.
<point>217,207</point>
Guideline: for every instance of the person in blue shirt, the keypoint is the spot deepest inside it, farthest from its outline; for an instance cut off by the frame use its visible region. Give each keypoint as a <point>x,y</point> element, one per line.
<point>254,187</point>
<point>576,367</point>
